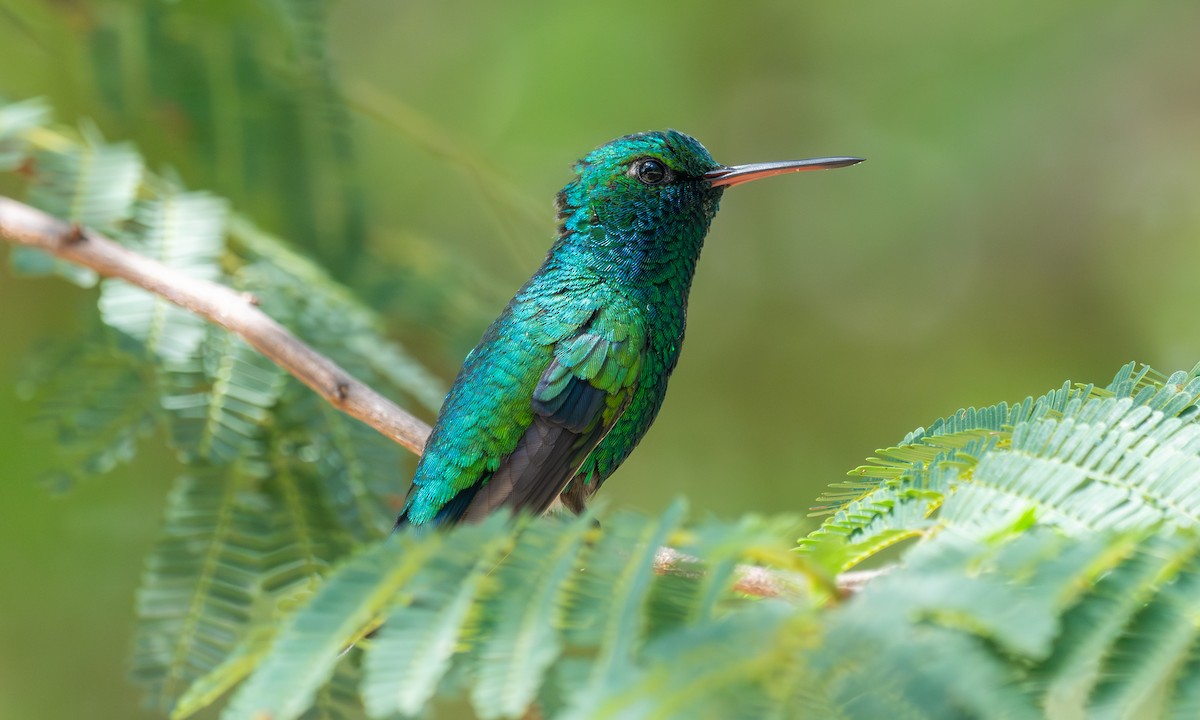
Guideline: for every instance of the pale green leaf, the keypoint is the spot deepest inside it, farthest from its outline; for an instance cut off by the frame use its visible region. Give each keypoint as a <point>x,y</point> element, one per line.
<point>307,649</point>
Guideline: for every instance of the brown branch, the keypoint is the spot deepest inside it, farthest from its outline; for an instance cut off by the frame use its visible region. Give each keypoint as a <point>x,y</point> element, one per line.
<point>763,582</point>
<point>855,581</point>
<point>233,311</point>
<point>748,579</point>
<point>236,312</point>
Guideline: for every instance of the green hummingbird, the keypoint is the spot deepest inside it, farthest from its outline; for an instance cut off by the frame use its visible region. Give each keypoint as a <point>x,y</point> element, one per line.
<point>568,379</point>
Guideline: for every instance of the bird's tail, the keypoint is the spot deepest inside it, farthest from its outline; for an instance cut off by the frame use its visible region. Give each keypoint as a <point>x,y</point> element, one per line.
<point>450,514</point>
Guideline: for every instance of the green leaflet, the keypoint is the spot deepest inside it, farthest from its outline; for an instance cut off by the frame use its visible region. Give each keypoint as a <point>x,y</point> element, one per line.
<point>1028,623</point>
<point>92,184</point>
<point>414,650</point>
<point>246,101</point>
<point>520,638</point>
<point>314,482</point>
<point>15,119</point>
<point>751,539</point>
<point>339,698</point>
<point>199,589</point>
<point>1037,625</point>
<point>97,403</point>
<point>297,293</point>
<point>305,537</point>
<point>1081,458</point>
<point>1100,620</point>
<point>357,467</point>
<point>206,689</point>
<point>1109,463</point>
<point>1152,668</point>
<point>714,670</point>
<point>609,608</point>
<point>308,646</point>
<point>219,402</point>
<point>481,600</point>
<point>185,231</point>
<point>931,619</point>
<point>295,542</point>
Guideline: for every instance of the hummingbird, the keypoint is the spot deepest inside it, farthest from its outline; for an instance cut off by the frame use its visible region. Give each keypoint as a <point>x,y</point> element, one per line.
<point>568,379</point>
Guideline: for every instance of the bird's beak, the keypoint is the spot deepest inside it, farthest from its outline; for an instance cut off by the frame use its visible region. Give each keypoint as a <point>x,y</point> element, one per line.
<point>738,174</point>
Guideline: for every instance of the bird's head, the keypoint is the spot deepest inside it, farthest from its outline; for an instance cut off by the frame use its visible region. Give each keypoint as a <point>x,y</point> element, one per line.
<point>648,183</point>
<point>658,185</point>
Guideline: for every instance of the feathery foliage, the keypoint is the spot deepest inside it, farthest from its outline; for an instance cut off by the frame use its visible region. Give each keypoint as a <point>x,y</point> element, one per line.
<point>421,636</point>
<point>508,611</point>
<point>89,183</point>
<point>16,119</point>
<point>1030,624</point>
<point>97,403</point>
<point>1078,458</point>
<point>1026,622</point>
<point>1053,572</point>
<point>277,486</point>
<point>199,594</point>
<point>185,231</point>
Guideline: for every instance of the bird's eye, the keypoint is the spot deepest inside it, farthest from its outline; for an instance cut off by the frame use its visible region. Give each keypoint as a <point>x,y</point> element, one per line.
<point>650,172</point>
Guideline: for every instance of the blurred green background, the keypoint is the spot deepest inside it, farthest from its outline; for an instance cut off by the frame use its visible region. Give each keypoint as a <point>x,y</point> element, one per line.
<point>1027,215</point>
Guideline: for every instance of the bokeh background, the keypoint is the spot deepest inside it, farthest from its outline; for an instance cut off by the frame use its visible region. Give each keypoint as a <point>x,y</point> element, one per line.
<point>1027,215</point>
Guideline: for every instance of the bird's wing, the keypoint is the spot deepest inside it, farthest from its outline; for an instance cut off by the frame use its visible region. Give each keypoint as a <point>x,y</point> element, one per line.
<point>578,398</point>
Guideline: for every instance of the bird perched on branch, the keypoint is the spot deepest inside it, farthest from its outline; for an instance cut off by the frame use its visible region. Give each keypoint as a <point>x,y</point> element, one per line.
<point>568,379</point>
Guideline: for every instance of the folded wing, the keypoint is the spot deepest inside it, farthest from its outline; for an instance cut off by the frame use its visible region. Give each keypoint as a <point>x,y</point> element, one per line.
<point>577,400</point>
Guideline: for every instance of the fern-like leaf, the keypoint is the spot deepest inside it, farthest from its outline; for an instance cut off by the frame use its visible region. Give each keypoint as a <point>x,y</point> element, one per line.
<point>1026,624</point>
<point>357,467</point>
<point>98,404</point>
<point>608,611</point>
<point>1106,463</point>
<point>302,296</point>
<point>751,540</point>
<point>93,184</point>
<point>236,667</point>
<point>413,651</point>
<point>15,120</point>
<point>1081,458</point>
<point>522,641</point>
<point>184,231</point>
<point>219,402</point>
<point>714,671</point>
<point>308,647</point>
<point>305,538</point>
<point>1152,669</point>
<point>199,588</point>
<point>339,698</point>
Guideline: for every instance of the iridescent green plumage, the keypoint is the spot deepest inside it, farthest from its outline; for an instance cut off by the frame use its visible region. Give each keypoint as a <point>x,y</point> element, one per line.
<point>567,380</point>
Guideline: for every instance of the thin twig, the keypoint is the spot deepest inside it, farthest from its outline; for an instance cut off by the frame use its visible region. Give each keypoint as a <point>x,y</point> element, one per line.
<point>233,311</point>
<point>761,581</point>
<point>855,581</point>
<point>748,579</point>
<point>237,313</point>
